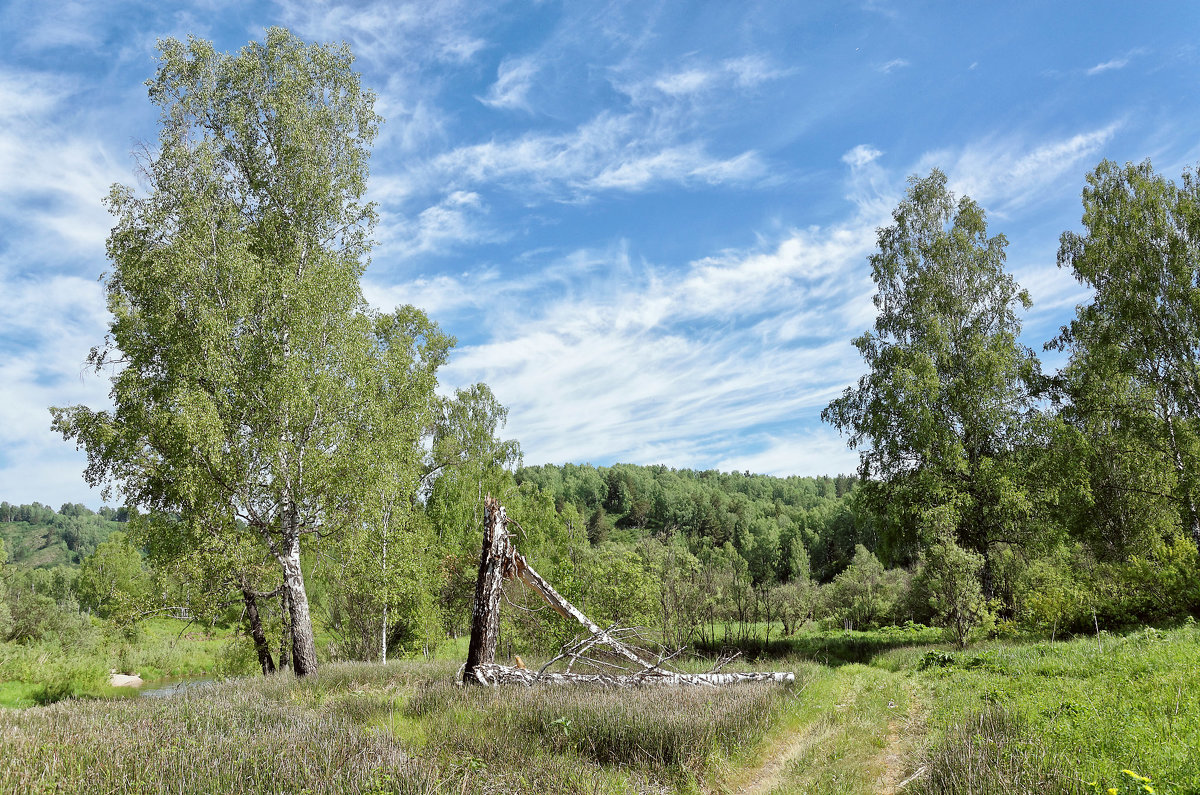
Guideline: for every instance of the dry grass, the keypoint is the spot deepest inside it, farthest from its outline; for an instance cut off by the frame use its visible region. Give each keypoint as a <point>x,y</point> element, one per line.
<point>360,728</point>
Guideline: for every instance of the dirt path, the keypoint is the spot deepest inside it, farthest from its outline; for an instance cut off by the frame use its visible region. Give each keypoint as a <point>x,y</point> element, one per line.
<point>893,766</point>
<point>770,776</point>
<point>899,736</point>
<point>829,748</point>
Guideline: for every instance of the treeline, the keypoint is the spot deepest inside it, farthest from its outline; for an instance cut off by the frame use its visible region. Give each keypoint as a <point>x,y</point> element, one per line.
<point>38,535</point>
<point>776,524</point>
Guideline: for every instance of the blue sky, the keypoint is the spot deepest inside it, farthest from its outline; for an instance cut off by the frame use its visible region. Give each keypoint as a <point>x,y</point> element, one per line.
<point>646,223</point>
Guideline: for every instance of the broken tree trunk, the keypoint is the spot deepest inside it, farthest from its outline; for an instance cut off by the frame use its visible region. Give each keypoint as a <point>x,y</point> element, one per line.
<point>493,674</point>
<point>564,608</point>
<point>485,615</point>
<point>499,561</point>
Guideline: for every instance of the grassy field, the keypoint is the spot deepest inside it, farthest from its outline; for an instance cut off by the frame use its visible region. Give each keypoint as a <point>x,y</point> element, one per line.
<point>1066,717</point>
<point>868,712</point>
<point>41,673</point>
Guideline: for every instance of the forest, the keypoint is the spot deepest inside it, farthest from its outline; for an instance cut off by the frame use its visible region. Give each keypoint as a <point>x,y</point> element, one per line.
<point>294,483</point>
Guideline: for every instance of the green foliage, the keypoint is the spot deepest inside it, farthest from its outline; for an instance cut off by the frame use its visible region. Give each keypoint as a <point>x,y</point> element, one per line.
<point>618,587</point>
<point>865,594</point>
<point>113,579</point>
<point>36,535</point>
<point>940,417</point>
<point>39,603</point>
<point>948,579</point>
<point>1131,383</point>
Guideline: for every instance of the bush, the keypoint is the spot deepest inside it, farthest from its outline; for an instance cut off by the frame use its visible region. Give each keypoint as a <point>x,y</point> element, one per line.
<point>238,657</point>
<point>948,578</point>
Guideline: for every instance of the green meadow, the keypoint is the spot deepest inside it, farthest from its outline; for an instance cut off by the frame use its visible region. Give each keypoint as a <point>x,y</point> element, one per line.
<point>869,712</point>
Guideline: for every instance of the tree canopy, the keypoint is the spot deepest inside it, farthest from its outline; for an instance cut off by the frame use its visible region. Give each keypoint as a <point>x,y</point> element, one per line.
<point>239,333</point>
<point>944,405</point>
<point>1133,381</point>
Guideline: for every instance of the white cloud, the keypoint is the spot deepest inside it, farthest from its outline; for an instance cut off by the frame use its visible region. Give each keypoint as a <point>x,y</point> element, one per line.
<point>24,94</point>
<point>62,25</point>
<point>632,363</point>
<point>436,295</point>
<point>1108,66</point>
<point>1006,173</point>
<point>411,121</point>
<point>609,152</point>
<point>57,320</point>
<point>53,176</point>
<point>821,451</point>
<point>392,32</point>
<point>514,79</point>
<point>455,220</point>
<point>861,155</point>
<point>714,79</point>
<point>892,65</point>
<point>687,82</point>
<point>678,164</point>
<point>752,70</point>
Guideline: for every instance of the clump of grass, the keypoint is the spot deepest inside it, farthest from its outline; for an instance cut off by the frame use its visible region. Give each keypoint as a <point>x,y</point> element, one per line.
<point>991,752</point>
<point>349,730</point>
<point>44,673</point>
<point>661,730</point>
<point>225,739</point>
<point>1084,709</point>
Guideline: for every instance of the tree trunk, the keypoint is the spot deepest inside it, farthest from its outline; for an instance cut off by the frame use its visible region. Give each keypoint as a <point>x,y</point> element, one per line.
<point>493,674</point>
<point>285,631</point>
<point>383,630</point>
<point>256,632</point>
<point>485,615</point>
<point>304,647</point>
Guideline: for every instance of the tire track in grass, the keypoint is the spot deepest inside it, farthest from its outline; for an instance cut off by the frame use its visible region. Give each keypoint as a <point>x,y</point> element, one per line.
<point>852,731</point>
<point>771,775</point>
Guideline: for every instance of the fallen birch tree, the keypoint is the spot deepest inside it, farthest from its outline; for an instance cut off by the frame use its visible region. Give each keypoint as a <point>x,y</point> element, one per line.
<point>499,561</point>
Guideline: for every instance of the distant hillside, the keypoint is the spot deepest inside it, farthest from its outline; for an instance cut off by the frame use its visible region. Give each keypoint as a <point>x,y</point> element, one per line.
<point>38,536</point>
<point>709,508</point>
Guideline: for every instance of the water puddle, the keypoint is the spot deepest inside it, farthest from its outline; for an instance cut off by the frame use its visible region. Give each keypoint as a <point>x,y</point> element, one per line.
<point>166,688</point>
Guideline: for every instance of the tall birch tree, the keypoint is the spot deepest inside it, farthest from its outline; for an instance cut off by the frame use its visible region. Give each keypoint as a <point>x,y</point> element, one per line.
<point>238,330</point>
<point>1135,347</point>
<point>942,414</point>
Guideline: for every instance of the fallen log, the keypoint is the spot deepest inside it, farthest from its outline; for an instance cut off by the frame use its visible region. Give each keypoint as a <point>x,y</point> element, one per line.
<point>564,608</point>
<point>496,674</point>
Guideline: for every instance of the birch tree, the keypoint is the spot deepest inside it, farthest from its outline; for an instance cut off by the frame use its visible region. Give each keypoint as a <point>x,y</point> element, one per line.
<point>238,334</point>
<point>1135,347</point>
<point>386,568</point>
<point>942,414</point>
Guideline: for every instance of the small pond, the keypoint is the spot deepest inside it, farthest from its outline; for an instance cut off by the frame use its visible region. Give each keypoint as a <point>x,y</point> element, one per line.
<point>165,688</point>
